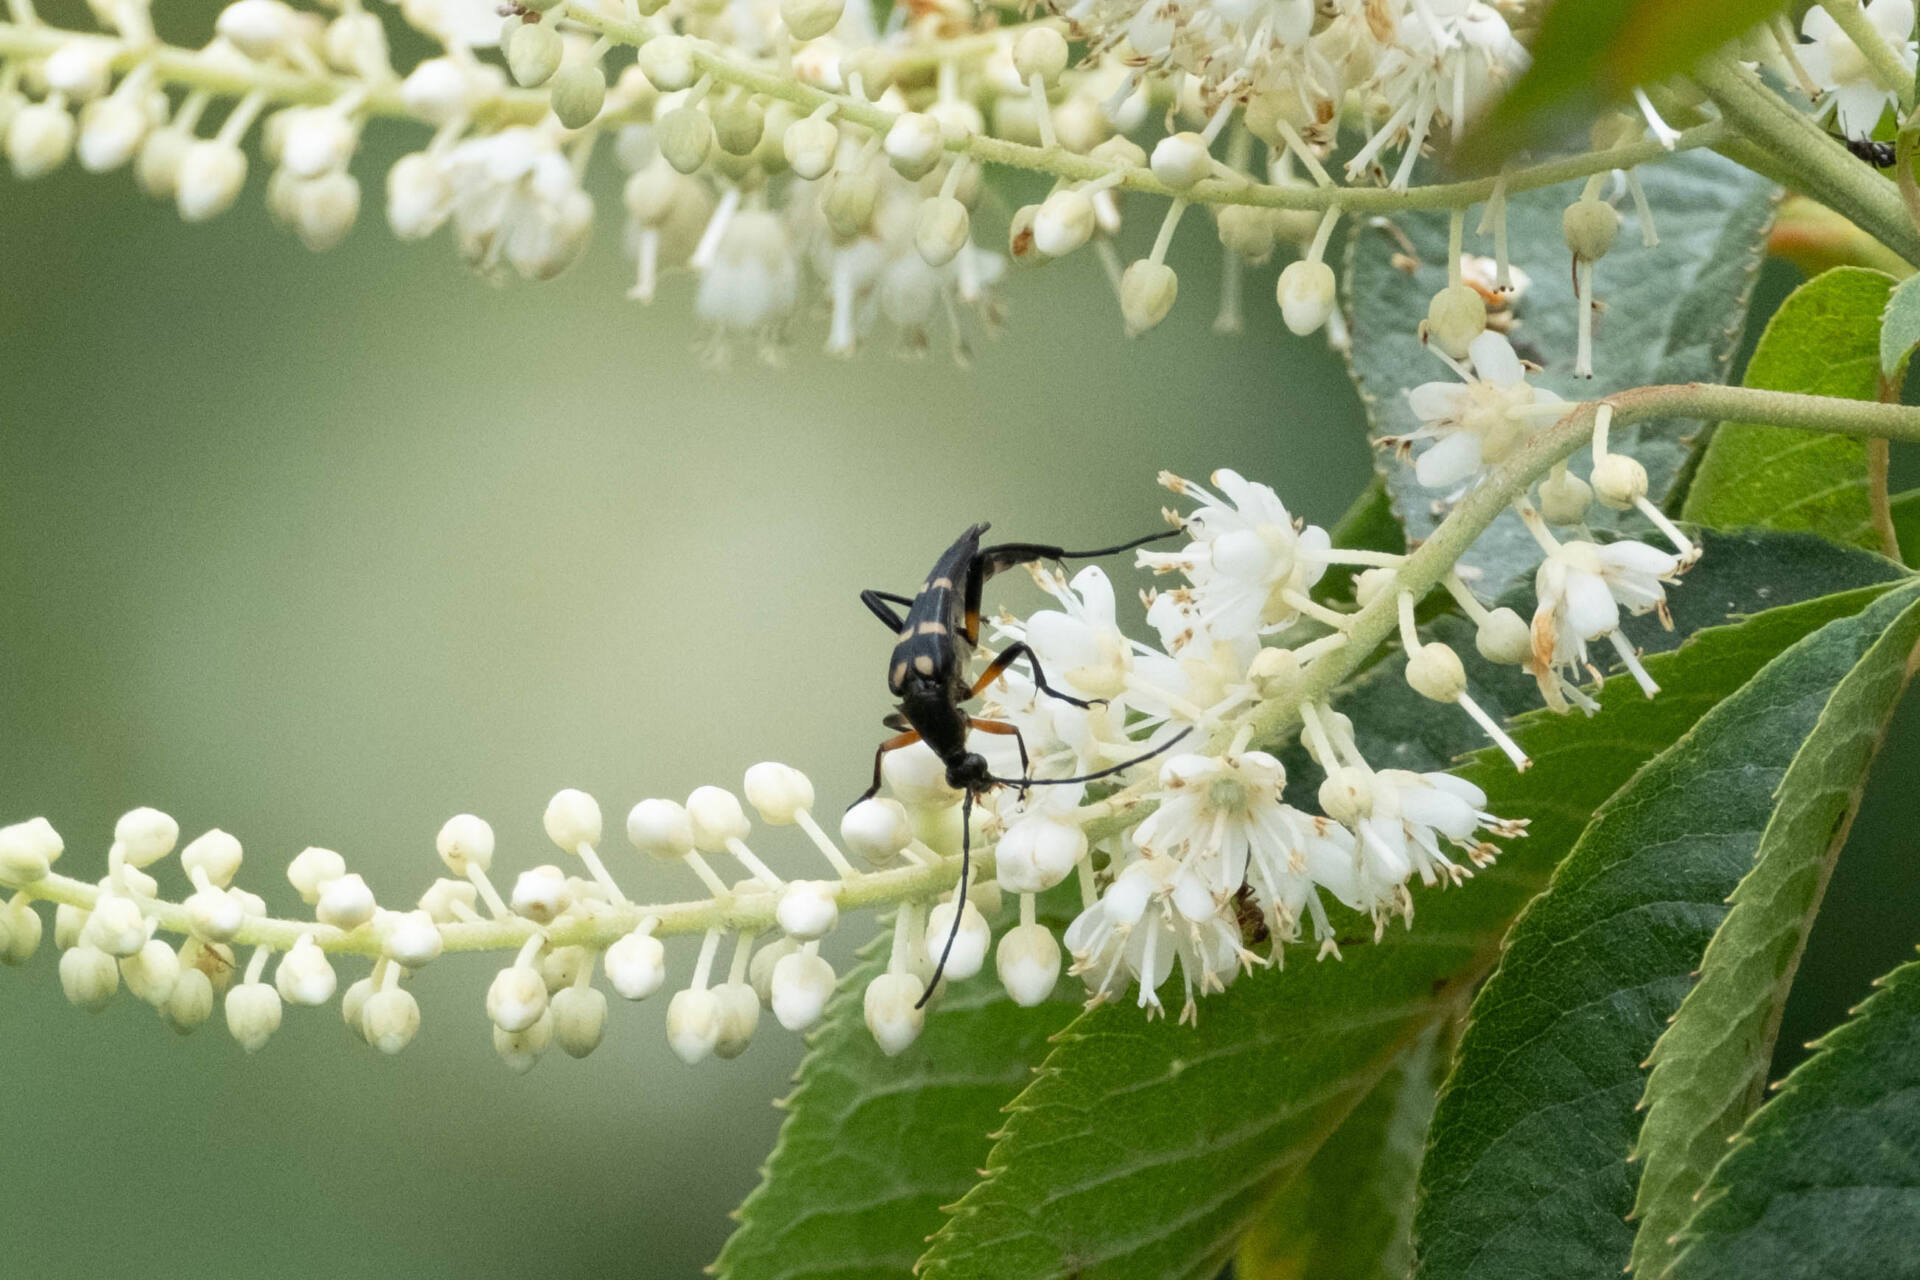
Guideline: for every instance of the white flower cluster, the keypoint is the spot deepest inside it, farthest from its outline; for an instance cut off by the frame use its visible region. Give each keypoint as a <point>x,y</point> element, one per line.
<point>803,165</point>
<point>1192,857</point>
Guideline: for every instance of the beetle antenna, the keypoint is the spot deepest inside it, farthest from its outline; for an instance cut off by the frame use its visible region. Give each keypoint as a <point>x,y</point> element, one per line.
<point>1125,546</point>
<point>1107,772</point>
<point>959,896</point>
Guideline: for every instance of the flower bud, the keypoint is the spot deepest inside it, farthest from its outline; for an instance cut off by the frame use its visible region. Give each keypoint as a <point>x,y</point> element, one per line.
<point>116,926</point>
<point>463,842</point>
<point>253,1014</point>
<point>969,954</point>
<point>875,831</point>
<point>1346,795</point>
<point>808,909</point>
<point>214,959</point>
<point>1020,245</point>
<point>636,965</point>
<point>1147,293</point>
<point>739,1017</point>
<point>353,1006</point>
<point>940,230</point>
<point>1564,497</point>
<point>1435,672</point>
<point>811,19</point>
<point>258,28</point>
<point>437,90</point>
<point>572,819</point>
<point>578,94</point>
<point>1248,231</point>
<point>1028,964</point>
<point>111,131</point>
<point>1037,853</point>
<point>325,209</point>
<point>917,776</point>
<point>802,984</point>
<point>1275,673</point>
<point>516,999</point>
<point>208,179</point>
<point>1306,294</point>
<point>68,923</point>
<point>1619,481</point>
<point>533,53</point>
<point>190,1003</point>
<point>1590,226</point>
<point>441,897</point>
<point>345,902</point>
<point>28,851</point>
<point>914,144</point>
<point>579,1020</point>
<point>411,939</point>
<point>1040,51</point>
<point>716,817</point>
<point>778,792</point>
<point>145,836</point>
<point>418,199</point>
<point>738,123</point>
<point>693,1020</point>
<point>1181,159</point>
<point>318,140</point>
<point>20,932</point>
<point>561,966</point>
<point>521,1050</point>
<point>89,977</point>
<point>151,972</point>
<point>685,137</point>
<point>661,828</point>
<point>1120,152</point>
<point>157,168</point>
<point>81,69</point>
<point>389,1019</point>
<point>1504,637</point>
<point>1063,223</point>
<point>304,976</point>
<point>1456,316</point>
<point>215,853</point>
<point>541,894</point>
<point>667,62</point>
<point>891,1015</point>
<point>810,145</point>
<point>215,915</point>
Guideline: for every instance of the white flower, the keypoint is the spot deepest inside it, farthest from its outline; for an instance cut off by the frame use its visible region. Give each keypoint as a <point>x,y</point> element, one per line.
<point>517,202</point>
<point>1249,565</point>
<point>1841,71</point>
<point>1581,588</point>
<point>1411,813</point>
<point>1136,933</point>
<point>1447,61</point>
<point>750,284</point>
<point>1475,423</point>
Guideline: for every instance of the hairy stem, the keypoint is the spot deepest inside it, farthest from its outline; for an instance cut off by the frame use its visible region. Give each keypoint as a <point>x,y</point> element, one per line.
<point>1800,152</point>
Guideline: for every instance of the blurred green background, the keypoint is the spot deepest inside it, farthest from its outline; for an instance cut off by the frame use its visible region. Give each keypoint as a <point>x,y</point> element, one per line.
<point>324,549</point>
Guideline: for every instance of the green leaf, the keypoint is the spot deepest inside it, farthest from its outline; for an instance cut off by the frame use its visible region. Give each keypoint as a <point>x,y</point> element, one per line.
<point>1591,54</point>
<point>1823,1183</point>
<point>1824,339</point>
<point>1527,1173</point>
<point>1899,326</point>
<point>1906,523</point>
<point>1710,1065</point>
<point>1674,314</point>
<point>1349,1214</point>
<point>873,1146</point>
<point>1146,1148</point>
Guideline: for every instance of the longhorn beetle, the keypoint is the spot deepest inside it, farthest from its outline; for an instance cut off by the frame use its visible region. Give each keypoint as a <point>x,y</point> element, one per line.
<point>928,674</point>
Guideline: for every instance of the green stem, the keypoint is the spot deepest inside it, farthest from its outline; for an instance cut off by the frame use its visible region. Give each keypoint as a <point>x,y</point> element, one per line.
<point>1802,152</point>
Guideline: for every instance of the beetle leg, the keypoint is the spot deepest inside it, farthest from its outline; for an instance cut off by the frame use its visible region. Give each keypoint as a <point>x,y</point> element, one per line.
<point>1013,653</point>
<point>877,602</point>
<point>1009,730</point>
<point>894,743</point>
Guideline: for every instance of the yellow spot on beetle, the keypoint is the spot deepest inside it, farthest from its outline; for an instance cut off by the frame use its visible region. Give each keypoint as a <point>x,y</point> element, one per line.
<point>933,628</point>
<point>923,664</point>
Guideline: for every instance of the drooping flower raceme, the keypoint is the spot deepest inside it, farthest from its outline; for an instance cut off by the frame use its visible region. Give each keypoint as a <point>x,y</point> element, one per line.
<point>1849,90</point>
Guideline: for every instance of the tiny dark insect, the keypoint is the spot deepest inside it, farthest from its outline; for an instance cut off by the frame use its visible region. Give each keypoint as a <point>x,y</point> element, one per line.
<point>1253,921</point>
<point>928,674</point>
<point>1878,154</point>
